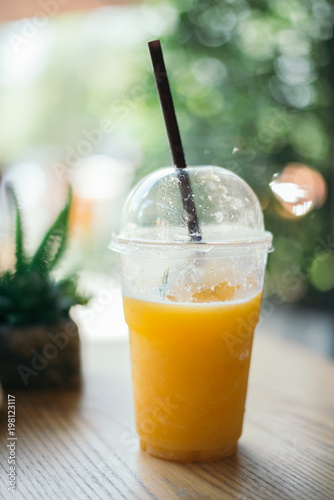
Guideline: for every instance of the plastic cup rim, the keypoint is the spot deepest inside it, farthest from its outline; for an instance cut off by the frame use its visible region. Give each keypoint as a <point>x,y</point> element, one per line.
<point>122,244</point>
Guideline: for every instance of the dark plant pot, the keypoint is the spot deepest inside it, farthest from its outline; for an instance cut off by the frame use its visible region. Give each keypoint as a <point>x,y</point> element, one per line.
<point>40,356</point>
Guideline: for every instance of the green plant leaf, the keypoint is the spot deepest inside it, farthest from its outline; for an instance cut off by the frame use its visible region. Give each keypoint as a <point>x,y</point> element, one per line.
<point>54,242</point>
<point>30,295</point>
<point>21,259</point>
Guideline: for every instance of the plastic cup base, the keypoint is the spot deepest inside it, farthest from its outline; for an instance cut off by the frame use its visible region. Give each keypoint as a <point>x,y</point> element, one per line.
<point>187,456</point>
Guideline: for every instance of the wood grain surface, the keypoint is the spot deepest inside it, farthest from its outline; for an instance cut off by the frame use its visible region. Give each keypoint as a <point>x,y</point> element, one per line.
<point>82,444</point>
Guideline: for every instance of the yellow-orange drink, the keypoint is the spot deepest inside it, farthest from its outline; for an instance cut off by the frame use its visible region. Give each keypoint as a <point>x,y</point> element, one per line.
<point>190,366</point>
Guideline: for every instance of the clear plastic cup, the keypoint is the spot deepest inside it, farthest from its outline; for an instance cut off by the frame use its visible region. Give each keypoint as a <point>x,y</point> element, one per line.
<point>191,309</point>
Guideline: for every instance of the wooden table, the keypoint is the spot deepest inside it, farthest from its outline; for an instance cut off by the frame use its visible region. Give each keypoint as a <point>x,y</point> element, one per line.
<point>82,444</point>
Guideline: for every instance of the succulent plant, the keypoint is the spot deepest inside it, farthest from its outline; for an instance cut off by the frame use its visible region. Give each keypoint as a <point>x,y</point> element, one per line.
<point>29,295</point>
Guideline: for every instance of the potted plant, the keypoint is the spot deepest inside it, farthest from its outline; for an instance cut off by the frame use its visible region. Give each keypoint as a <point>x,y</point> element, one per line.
<point>39,343</point>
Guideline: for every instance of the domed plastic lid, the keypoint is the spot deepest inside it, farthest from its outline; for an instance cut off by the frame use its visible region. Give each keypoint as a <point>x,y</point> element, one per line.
<point>228,211</point>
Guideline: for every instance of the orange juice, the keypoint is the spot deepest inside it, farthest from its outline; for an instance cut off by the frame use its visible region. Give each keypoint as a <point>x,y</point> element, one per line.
<point>190,364</point>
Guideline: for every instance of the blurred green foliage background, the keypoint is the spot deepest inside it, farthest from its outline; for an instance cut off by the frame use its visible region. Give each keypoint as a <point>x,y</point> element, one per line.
<point>251,76</point>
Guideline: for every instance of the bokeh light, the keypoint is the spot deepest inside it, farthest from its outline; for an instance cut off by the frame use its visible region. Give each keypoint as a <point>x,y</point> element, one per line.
<point>321,272</point>
<point>99,184</point>
<point>101,177</point>
<point>29,181</point>
<point>299,189</point>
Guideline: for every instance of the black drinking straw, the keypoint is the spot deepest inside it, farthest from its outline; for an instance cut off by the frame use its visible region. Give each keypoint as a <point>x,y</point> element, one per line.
<point>175,143</point>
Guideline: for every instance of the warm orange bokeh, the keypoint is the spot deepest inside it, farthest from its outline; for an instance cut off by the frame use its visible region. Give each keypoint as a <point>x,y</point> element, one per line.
<point>299,189</point>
